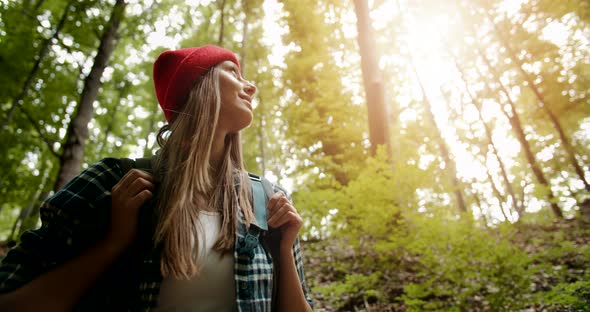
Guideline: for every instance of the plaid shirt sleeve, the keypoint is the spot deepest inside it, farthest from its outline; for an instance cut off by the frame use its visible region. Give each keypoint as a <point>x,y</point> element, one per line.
<point>72,219</point>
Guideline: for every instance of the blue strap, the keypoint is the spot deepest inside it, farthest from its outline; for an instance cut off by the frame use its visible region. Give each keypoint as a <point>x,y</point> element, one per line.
<point>261,192</point>
<point>260,202</point>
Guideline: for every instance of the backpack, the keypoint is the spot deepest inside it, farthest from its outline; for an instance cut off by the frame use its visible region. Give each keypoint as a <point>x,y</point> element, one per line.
<point>262,190</point>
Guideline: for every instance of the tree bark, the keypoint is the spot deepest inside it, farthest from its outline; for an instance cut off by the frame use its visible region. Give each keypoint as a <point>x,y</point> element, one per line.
<point>372,79</point>
<point>17,101</point>
<point>73,149</point>
<point>569,149</point>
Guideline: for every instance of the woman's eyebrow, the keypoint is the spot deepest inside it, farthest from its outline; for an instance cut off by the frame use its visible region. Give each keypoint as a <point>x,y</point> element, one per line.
<point>231,65</point>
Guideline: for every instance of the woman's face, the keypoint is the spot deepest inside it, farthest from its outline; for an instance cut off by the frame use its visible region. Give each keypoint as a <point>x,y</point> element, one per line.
<point>236,98</point>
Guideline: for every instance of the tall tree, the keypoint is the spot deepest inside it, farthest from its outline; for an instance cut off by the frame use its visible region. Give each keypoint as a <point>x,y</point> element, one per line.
<point>324,127</point>
<point>249,11</point>
<point>77,133</point>
<point>372,78</point>
<point>222,9</point>
<point>541,101</point>
<point>512,114</point>
<point>451,165</point>
<point>516,124</point>
<point>488,132</point>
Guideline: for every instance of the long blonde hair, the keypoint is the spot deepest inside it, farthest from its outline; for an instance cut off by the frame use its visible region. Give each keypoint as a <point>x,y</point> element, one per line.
<point>183,163</point>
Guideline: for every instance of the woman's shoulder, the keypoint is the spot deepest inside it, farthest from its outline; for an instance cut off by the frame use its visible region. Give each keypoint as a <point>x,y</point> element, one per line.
<point>108,168</point>
<point>92,184</point>
<point>79,211</point>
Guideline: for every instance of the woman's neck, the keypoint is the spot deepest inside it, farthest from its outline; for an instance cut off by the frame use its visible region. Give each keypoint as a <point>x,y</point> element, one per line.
<point>217,153</point>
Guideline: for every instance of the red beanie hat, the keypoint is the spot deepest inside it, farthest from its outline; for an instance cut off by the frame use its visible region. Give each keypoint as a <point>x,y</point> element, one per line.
<point>175,71</point>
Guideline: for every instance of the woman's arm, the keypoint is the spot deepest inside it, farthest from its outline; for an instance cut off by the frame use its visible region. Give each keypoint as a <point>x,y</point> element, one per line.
<point>61,288</point>
<point>283,215</point>
<point>291,295</point>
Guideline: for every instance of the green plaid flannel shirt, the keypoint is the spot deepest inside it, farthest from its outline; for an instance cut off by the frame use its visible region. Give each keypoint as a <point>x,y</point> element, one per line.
<point>77,217</point>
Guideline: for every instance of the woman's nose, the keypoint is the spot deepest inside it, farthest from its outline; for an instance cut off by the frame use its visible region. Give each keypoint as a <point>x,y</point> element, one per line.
<point>249,88</point>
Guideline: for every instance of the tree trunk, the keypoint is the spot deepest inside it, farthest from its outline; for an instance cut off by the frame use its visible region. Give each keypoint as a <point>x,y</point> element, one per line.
<point>451,166</point>
<point>113,117</point>
<point>515,202</point>
<point>372,79</point>
<point>28,215</point>
<point>221,23</point>
<point>517,128</point>
<point>261,136</point>
<point>488,131</point>
<point>501,199</point>
<point>247,7</point>
<point>24,213</point>
<point>569,149</point>
<point>243,63</point>
<point>17,101</point>
<point>73,149</point>
<point>478,204</point>
<point>32,217</point>
<point>147,151</point>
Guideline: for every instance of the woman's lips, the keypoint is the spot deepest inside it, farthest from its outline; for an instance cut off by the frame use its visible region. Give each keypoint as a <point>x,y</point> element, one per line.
<point>248,101</point>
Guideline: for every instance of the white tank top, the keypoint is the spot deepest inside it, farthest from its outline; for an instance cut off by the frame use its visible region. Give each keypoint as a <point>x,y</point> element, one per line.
<point>211,290</point>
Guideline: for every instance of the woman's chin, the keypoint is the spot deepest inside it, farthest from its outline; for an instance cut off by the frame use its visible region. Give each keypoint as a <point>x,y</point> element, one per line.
<point>243,124</point>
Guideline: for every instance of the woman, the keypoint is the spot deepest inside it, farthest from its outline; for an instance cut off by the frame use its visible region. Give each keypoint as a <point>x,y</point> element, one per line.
<point>90,255</point>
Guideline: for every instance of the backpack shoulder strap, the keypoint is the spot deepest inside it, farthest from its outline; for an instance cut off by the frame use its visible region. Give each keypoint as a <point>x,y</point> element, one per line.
<point>146,219</point>
<point>144,164</point>
<point>126,164</point>
<point>261,192</point>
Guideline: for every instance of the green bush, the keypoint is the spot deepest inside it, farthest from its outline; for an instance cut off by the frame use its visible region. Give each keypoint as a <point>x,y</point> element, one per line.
<point>388,249</point>
<point>353,290</point>
<point>465,267</point>
<point>574,296</point>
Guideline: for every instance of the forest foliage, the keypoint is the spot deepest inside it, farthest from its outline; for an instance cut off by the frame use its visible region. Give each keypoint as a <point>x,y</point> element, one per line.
<point>438,151</point>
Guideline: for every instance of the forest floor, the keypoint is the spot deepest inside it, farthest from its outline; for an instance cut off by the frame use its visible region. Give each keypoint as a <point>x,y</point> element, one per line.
<point>559,266</point>
<point>560,258</point>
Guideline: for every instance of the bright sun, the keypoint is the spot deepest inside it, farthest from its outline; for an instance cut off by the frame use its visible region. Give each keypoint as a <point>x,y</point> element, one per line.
<point>426,37</point>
